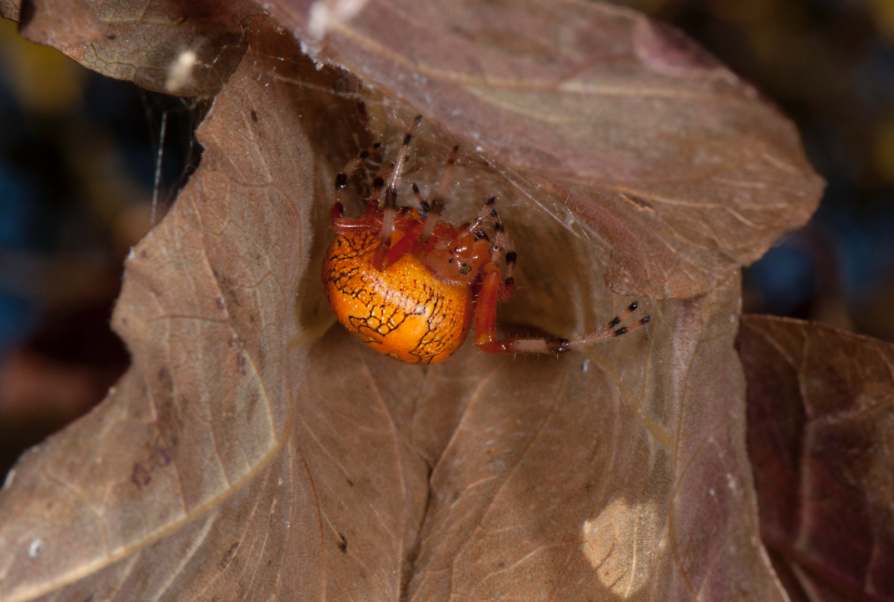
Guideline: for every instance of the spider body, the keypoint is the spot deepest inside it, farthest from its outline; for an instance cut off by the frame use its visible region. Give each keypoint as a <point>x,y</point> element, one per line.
<point>410,285</point>
<point>404,310</point>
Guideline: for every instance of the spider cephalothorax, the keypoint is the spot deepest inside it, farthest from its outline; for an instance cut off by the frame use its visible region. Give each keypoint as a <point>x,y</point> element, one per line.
<point>407,283</point>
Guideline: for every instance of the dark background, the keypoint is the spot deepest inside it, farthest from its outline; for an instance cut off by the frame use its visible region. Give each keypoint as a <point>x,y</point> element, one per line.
<point>78,156</point>
<point>829,65</point>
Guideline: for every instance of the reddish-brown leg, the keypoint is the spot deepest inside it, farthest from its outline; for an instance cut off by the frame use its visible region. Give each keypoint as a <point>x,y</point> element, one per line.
<point>486,325</point>
<point>347,225</point>
<point>486,314</point>
<point>388,254</point>
<point>501,245</point>
<point>389,209</point>
<point>404,245</point>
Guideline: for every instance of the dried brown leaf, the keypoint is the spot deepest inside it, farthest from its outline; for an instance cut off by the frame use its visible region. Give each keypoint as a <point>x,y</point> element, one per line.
<point>821,414</point>
<point>248,455</point>
<point>175,46</point>
<point>61,23</point>
<point>680,170</point>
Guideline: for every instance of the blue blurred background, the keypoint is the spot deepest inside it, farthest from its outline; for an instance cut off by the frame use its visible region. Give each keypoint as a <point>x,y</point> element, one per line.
<point>77,181</point>
<point>78,159</point>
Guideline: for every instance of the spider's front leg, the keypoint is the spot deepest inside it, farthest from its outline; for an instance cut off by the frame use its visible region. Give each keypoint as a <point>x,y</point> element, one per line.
<point>486,324</point>
<point>486,313</point>
<point>493,290</point>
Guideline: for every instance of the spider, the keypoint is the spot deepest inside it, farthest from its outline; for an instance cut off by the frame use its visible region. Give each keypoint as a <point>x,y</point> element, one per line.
<point>407,283</point>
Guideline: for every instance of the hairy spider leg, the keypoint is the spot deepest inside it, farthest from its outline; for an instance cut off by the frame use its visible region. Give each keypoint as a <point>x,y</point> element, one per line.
<point>367,223</point>
<point>493,290</point>
<point>423,204</point>
<point>504,245</point>
<point>389,209</point>
<point>390,205</point>
<point>377,186</point>
<point>608,331</point>
<point>483,214</point>
<point>424,231</point>
<point>434,214</point>
<point>343,225</point>
<point>486,325</point>
<point>486,310</point>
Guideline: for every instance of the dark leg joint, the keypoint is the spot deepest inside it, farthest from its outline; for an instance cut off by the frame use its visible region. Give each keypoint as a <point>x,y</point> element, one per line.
<point>391,197</point>
<point>511,257</point>
<point>557,345</point>
<point>507,289</point>
<point>341,181</point>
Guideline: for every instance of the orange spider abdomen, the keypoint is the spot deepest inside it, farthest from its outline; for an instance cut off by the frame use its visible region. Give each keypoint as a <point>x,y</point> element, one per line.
<point>403,311</point>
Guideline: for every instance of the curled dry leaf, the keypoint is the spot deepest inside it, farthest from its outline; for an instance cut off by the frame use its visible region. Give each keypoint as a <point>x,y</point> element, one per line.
<point>253,452</point>
<point>821,414</point>
<point>679,169</point>
<point>184,48</point>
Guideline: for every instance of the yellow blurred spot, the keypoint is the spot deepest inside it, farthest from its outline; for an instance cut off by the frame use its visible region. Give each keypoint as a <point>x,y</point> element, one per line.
<point>42,78</point>
<point>883,148</point>
<point>883,16</point>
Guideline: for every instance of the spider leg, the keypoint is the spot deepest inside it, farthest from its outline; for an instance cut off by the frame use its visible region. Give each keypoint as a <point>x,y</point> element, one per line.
<point>377,186</point>
<point>422,202</point>
<point>487,298</point>
<point>345,225</point>
<point>608,331</point>
<point>404,245</point>
<point>417,233</point>
<point>434,214</point>
<point>504,245</point>
<point>492,290</point>
<point>486,328</point>
<point>391,191</point>
<point>341,180</point>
